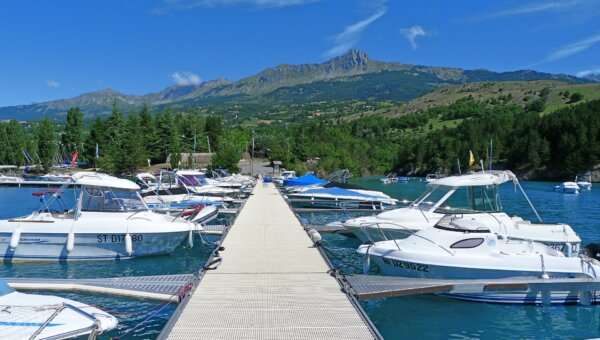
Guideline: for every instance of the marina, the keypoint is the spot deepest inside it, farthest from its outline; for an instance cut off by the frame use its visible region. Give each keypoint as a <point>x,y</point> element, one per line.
<point>164,278</point>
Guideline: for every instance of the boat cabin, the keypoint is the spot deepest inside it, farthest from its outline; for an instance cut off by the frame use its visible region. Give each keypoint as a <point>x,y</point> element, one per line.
<point>462,194</point>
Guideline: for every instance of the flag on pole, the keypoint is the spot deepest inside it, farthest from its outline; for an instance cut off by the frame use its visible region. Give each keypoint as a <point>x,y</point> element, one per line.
<point>471,158</point>
<point>74,159</point>
<point>97,154</point>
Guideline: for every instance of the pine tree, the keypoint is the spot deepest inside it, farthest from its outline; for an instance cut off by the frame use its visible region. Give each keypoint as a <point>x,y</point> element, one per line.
<point>46,142</point>
<point>73,137</point>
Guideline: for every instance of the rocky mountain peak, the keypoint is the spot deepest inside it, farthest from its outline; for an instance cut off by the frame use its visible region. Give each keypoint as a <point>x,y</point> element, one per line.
<point>352,59</point>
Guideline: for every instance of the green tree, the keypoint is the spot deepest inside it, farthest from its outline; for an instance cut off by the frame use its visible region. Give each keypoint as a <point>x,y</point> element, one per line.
<point>131,148</point>
<point>73,136</point>
<point>13,142</point>
<point>46,143</point>
<point>213,127</point>
<point>151,144</point>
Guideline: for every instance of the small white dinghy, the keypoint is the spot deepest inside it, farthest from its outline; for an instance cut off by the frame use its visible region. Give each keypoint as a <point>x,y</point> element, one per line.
<point>457,248</point>
<point>567,188</point>
<point>30,316</point>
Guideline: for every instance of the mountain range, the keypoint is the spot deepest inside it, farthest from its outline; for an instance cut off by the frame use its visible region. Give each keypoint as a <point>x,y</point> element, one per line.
<point>350,76</point>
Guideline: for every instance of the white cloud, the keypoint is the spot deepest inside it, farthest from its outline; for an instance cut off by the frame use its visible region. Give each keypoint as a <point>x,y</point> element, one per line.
<point>534,8</point>
<point>52,83</point>
<point>412,33</point>
<point>188,4</point>
<point>351,34</point>
<point>185,78</point>
<point>589,72</point>
<point>574,48</point>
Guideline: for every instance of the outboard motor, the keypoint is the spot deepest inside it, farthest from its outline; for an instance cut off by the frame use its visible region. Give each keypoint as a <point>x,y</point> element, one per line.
<point>593,250</point>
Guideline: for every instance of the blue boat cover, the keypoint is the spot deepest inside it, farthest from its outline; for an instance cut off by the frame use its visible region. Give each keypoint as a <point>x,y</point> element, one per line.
<point>308,179</point>
<point>339,192</point>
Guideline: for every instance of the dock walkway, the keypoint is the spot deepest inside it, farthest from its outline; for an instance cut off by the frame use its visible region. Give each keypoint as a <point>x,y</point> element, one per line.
<point>272,284</point>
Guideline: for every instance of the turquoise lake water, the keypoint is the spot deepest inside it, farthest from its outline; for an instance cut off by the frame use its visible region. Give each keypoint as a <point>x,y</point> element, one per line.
<point>406,317</point>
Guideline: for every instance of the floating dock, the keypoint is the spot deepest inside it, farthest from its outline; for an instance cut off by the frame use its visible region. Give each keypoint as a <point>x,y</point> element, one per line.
<point>272,283</point>
<point>159,287</point>
<point>374,286</point>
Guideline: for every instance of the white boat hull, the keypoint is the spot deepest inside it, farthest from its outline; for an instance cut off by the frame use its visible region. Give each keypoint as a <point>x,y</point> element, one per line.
<point>96,246</point>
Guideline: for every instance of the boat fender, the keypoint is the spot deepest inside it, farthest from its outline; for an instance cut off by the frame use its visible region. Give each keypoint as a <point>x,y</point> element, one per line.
<point>70,241</point>
<point>591,250</point>
<point>128,244</point>
<point>315,236</point>
<point>15,238</point>
<point>367,262</point>
<point>191,239</point>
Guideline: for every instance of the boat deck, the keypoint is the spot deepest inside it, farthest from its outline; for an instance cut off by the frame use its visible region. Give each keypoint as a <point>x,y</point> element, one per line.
<point>272,284</point>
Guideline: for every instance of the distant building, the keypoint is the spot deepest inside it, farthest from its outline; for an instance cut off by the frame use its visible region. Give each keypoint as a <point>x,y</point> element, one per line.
<point>199,160</point>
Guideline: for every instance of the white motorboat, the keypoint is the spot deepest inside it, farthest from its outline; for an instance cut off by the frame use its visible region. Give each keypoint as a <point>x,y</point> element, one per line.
<point>340,195</point>
<point>8,174</point>
<point>584,181</point>
<point>390,178</point>
<point>475,196</point>
<point>567,188</point>
<point>197,182</point>
<point>31,316</point>
<point>431,177</point>
<point>284,175</point>
<point>165,191</point>
<point>457,248</point>
<point>108,220</point>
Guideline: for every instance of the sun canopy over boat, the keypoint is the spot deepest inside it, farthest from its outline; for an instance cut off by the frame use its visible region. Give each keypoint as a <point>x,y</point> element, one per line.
<point>477,179</point>
<point>102,180</point>
<point>308,179</point>
<point>342,193</point>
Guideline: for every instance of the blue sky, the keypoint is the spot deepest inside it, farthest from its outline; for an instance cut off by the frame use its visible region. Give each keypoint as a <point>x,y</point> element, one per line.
<point>59,49</point>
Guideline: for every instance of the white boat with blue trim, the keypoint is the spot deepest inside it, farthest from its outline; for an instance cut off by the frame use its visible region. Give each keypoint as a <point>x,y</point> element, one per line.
<point>31,316</point>
<point>474,196</point>
<point>107,220</point>
<point>460,248</point>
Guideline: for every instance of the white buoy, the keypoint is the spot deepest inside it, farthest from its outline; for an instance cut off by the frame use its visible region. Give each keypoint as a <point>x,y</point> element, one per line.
<point>70,241</point>
<point>15,238</point>
<point>191,239</point>
<point>128,245</point>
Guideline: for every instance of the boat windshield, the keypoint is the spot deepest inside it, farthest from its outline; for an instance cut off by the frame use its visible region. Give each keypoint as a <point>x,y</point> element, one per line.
<point>461,200</point>
<point>5,288</point>
<point>193,180</point>
<point>104,199</point>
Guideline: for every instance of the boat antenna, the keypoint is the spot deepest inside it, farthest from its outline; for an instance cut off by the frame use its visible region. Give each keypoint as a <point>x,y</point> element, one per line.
<point>491,152</point>
<point>458,163</point>
<point>482,168</point>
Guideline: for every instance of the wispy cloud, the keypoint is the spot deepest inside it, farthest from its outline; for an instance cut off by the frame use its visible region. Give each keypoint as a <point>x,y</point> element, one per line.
<point>189,4</point>
<point>185,78</point>
<point>52,83</point>
<point>412,33</point>
<point>574,48</point>
<point>351,34</point>
<point>589,72</point>
<point>527,9</point>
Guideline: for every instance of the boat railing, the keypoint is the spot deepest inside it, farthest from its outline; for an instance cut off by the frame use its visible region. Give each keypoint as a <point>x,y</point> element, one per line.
<point>93,328</point>
<point>408,230</point>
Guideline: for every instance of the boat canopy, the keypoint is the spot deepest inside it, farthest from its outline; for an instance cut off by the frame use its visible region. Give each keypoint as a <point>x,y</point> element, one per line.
<point>97,179</point>
<point>340,192</point>
<point>477,179</point>
<point>308,179</point>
